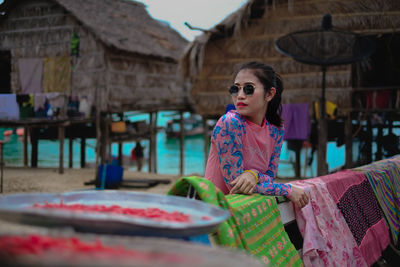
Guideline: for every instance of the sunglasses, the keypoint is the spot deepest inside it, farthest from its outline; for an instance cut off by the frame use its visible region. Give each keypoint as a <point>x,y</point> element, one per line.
<point>248,90</point>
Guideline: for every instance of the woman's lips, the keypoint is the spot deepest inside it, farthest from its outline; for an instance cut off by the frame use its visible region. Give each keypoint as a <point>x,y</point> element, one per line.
<point>241,105</point>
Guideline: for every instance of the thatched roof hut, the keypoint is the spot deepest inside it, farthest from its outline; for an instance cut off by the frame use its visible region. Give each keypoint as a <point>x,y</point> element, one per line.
<point>250,34</point>
<point>127,60</point>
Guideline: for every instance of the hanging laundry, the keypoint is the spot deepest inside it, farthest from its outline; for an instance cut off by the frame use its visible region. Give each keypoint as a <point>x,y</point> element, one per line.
<point>9,108</point>
<point>296,120</point>
<point>57,75</point>
<point>30,75</point>
<point>356,201</point>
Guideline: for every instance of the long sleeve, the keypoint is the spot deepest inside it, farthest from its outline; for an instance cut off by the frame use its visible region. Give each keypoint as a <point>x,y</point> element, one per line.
<point>266,183</point>
<point>228,138</point>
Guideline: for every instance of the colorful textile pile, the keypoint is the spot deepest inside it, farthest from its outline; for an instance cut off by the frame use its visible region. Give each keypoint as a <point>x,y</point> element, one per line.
<point>384,177</point>
<point>328,240</point>
<point>356,201</point>
<point>255,225</point>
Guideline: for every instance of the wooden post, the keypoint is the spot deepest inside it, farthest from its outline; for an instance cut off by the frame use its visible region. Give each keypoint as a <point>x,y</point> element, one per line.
<point>378,155</point>
<point>155,142</point>
<point>181,145</point>
<point>349,141</point>
<point>206,141</point>
<point>369,142</point>
<point>34,142</point>
<point>297,168</point>
<point>83,152</point>
<point>120,153</point>
<point>70,152</point>
<point>25,146</point>
<point>61,136</point>
<point>151,152</point>
<point>322,130</point>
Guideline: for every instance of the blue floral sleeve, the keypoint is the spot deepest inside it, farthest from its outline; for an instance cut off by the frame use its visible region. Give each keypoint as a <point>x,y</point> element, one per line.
<point>227,138</point>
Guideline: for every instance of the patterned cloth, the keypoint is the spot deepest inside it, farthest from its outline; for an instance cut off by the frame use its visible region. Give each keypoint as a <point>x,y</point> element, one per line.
<point>237,145</point>
<point>384,177</point>
<point>356,201</point>
<point>328,240</point>
<point>255,224</point>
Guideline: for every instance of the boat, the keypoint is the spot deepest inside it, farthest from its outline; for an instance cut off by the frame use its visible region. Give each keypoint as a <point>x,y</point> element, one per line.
<point>193,126</point>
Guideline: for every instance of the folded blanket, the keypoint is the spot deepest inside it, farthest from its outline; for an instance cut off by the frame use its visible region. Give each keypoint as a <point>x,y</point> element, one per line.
<point>356,201</point>
<point>384,177</point>
<point>255,224</point>
<point>328,240</point>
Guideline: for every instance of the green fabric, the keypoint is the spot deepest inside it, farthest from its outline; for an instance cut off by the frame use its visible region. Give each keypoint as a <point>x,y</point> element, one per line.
<point>255,224</point>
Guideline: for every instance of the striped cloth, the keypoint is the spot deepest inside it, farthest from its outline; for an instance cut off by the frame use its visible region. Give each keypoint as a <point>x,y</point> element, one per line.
<point>255,224</point>
<point>384,177</point>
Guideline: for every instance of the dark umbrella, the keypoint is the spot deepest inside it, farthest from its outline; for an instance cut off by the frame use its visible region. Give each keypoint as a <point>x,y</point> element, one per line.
<point>324,47</point>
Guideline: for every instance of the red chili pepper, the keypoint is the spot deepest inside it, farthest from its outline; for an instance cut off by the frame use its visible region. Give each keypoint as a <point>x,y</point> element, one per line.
<point>151,213</point>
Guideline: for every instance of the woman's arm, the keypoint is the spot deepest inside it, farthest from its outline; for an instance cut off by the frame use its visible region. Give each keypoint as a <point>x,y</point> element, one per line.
<point>227,138</point>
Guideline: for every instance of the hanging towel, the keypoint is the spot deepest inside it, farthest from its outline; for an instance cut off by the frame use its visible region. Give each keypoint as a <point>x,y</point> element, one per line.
<point>30,75</point>
<point>296,121</point>
<point>384,177</point>
<point>57,75</point>
<point>255,224</point>
<point>327,238</point>
<point>9,108</point>
<point>356,201</point>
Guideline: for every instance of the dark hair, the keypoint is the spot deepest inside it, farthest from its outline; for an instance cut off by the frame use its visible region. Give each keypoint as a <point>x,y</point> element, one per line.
<point>269,78</point>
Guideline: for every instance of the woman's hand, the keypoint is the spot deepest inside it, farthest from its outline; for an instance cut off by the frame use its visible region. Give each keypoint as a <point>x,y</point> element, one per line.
<point>244,184</point>
<point>298,196</point>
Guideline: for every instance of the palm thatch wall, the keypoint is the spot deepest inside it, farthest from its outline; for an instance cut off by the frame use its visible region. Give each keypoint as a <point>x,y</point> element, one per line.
<point>127,60</point>
<point>250,34</point>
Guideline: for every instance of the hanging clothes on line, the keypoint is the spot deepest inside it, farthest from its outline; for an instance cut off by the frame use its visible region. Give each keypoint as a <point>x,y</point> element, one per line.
<point>30,75</point>
<point>9,108</point>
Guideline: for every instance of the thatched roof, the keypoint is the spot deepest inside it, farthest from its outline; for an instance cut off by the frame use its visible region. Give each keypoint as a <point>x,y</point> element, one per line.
<point>250,34</point>
<point>124,25</point>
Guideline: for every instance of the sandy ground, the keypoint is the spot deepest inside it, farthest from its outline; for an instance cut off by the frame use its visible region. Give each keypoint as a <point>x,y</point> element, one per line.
<point>22,180</point>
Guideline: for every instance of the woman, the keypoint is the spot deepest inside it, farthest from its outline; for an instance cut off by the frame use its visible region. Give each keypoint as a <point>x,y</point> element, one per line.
<point>246,143</point>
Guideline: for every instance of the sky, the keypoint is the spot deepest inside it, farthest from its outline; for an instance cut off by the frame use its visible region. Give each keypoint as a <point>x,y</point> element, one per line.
<point>202,14</point>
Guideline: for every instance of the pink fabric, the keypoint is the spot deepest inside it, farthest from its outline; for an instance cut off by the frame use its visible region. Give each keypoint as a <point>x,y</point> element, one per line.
<point>327,239</point>
<point>30,75</point>
<point>238,145</point>
<point>376,237</point>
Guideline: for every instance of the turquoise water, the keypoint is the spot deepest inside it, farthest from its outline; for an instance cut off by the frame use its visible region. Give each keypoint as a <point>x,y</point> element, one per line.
<point>167,153</point>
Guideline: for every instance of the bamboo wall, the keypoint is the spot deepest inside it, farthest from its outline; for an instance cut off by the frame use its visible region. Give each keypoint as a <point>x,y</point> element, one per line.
<point>141,83</point>
<point>256,41</point>
<point>43,29</point>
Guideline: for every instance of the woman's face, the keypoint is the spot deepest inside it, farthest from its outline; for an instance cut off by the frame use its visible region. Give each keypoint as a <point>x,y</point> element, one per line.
<point>252,107</point>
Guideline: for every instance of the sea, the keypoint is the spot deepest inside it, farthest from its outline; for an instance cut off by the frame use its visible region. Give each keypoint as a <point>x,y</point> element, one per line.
<point>167,152</point>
